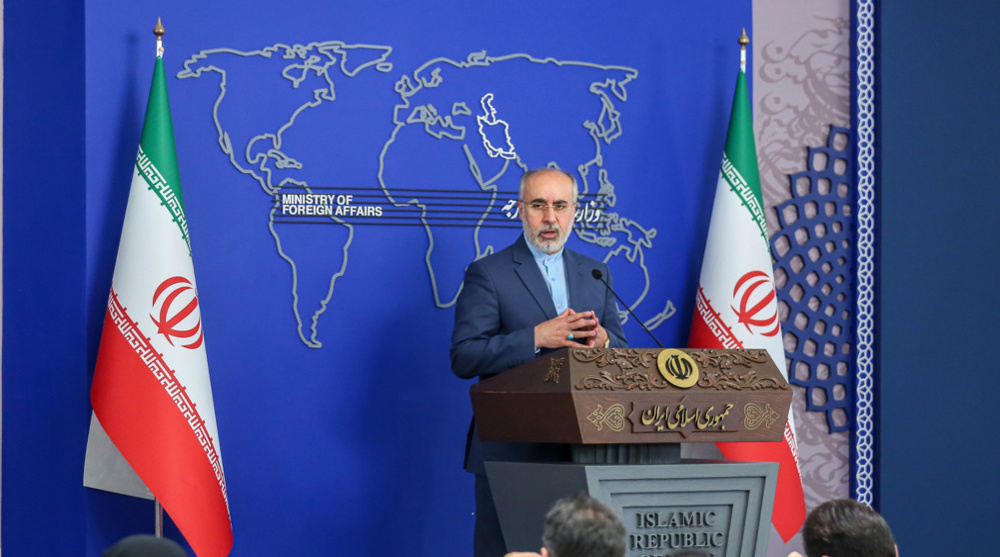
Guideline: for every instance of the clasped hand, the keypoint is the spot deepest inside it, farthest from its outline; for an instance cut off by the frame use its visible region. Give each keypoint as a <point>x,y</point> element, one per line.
<point>568,329</point>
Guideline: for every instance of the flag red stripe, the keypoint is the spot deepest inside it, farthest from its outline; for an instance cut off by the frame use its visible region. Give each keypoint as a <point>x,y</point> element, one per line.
<point>789,505</point>
<point>130,403</point>
<point>701,336</point>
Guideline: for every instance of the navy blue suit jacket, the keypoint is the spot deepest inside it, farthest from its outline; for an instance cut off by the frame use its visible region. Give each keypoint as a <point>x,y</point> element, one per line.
<point>503,297</point>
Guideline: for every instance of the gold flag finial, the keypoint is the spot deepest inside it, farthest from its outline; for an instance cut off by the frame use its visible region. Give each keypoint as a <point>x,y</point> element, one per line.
<point>159,31</point>
<point>744,39</point>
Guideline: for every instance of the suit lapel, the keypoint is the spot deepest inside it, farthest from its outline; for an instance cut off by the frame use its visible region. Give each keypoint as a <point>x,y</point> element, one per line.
<point>531,277</point>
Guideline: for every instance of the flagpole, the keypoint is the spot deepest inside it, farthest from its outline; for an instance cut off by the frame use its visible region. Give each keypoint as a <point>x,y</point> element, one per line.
<point>744,41</point>
<point>158,509</point>
<point>158,519</point>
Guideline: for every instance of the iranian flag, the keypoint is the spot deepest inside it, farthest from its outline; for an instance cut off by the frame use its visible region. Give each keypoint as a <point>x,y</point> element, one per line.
<point>736,306</point>
<point>151,390</point>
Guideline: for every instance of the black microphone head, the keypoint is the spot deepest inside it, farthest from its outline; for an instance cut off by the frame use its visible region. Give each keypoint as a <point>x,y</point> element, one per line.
<point>597,274</point>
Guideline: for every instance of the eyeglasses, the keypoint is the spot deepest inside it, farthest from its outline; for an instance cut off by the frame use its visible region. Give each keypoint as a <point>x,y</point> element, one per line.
<point>560,207</point>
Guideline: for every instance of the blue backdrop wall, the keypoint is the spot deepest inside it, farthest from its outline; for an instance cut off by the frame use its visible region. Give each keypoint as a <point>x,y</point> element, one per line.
<point>938,266</point>
<point>340,422</point>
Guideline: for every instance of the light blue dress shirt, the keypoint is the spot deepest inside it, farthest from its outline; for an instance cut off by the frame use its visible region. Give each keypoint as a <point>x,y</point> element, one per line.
<point>554,273</point>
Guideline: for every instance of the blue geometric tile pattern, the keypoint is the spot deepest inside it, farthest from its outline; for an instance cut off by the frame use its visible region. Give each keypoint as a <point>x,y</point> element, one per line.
<point>814,273</point>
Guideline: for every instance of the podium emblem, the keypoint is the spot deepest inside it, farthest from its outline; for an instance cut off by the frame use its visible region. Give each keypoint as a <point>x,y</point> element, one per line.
<point>679,369</point>
<point>755,416</point>
<point>613,417</point>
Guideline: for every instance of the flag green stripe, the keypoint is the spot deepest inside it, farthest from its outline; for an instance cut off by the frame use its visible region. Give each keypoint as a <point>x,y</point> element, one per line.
<point>741,189</point>
<point>741,152</point>
<point>157,159</point>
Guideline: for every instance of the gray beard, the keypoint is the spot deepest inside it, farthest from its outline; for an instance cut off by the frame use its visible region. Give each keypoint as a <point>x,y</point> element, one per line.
<point>549,247</point>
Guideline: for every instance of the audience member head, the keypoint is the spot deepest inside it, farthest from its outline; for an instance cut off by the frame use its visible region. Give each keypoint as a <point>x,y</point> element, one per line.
<point>846,528</point>
<point>581,526</point>
<point>144,545</point>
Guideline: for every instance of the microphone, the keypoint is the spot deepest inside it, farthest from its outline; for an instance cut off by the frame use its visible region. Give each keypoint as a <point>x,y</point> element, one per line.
<point>600,276</point>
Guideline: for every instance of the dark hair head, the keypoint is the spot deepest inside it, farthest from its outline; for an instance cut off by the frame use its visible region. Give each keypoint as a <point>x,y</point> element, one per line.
<point>144,545</point>
<point>581,526</point>
<point>846,528</point>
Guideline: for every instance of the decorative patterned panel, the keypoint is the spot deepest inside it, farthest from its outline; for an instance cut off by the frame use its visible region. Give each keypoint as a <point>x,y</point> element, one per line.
<point>814,277</point>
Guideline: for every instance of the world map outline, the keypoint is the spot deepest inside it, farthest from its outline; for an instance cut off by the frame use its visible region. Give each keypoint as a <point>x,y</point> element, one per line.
<point>487,154</point>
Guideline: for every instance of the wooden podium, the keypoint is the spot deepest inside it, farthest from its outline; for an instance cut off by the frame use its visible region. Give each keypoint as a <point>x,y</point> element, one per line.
<point>625,413</point>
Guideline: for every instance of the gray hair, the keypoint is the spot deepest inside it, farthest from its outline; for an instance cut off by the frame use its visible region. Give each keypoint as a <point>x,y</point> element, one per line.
<point>530,173</point>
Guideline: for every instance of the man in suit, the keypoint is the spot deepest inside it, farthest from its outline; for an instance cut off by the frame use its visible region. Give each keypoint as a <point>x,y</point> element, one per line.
<point>522,302</point>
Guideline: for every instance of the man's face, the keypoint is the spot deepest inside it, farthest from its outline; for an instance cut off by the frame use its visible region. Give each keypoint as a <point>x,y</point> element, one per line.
<point>547,210</point>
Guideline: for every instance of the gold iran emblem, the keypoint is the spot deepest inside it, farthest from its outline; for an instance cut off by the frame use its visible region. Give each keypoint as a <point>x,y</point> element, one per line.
<point>677,368</point>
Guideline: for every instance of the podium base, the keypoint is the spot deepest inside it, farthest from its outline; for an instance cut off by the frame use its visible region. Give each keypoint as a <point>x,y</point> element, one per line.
<point>721,508</point>
<point>627,453</point>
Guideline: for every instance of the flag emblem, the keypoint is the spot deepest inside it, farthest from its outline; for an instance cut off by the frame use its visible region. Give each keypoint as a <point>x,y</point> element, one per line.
<point>758,310</point>
<point>178,311</point>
